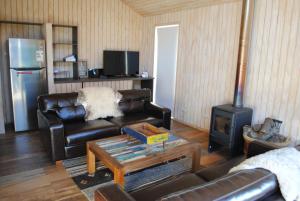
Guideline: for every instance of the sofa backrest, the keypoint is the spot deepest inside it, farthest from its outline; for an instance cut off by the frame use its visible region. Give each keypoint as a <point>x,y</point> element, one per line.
<point>49,102</point>
<point>255,184</point>
<point>64,105</point>
<point>133,100</point>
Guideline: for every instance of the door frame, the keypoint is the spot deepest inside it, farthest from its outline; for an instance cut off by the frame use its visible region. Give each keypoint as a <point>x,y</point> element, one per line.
<point>155,60</point>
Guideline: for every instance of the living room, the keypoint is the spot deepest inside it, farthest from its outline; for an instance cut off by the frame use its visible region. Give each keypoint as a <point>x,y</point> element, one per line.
<point>223,87</point>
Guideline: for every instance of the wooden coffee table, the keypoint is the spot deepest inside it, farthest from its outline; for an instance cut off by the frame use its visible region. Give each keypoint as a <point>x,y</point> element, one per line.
<point>109,150</point>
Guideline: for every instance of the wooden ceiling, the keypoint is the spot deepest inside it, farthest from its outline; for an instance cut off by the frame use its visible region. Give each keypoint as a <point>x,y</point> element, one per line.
<point>156,7</point>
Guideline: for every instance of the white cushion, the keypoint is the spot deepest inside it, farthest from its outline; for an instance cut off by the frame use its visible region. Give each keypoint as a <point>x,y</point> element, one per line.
<point>99,102</point>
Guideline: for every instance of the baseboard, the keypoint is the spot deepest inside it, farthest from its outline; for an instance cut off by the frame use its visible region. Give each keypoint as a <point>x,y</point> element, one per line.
<point>191,125</point>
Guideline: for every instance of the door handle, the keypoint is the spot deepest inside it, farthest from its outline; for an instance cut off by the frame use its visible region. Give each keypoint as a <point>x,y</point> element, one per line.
<point>24,73</point>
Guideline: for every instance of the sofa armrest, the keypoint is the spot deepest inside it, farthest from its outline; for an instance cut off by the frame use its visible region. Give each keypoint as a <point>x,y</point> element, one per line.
<point>256,148</point>
<point>112,192</point>
<point>252,184</point>
<point>159,112</point>
<point>53,134</point>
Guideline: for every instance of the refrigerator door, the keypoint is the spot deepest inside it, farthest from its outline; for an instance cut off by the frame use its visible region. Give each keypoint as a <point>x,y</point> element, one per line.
<point>26,87</point>
<point>26,53</point>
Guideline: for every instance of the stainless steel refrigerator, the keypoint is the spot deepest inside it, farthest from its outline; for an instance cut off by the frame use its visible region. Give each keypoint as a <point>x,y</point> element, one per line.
<point>28,80</point>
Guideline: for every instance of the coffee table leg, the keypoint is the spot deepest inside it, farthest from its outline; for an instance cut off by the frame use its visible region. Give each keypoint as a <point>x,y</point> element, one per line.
<point>91,162</point>
<point>119,177</point>
<point>196,159</point>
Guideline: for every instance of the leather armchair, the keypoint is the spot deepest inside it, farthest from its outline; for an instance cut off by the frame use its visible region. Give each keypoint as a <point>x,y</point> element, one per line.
<point>65,133</point>
<point>212,183</point>
<point>160,113</point>
<point>52,134</point>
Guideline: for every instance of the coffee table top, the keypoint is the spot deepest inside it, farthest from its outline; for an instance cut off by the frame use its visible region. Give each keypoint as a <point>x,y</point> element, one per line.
<point>130,149</point>
<point>129,154</point>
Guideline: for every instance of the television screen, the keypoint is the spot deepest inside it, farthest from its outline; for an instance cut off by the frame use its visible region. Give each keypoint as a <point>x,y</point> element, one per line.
<point>118,63</point>
<point>113,62</point>
<point>132,63</point>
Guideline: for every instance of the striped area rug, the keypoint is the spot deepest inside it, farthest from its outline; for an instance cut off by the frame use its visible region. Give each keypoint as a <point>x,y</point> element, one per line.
<point>77,169</point>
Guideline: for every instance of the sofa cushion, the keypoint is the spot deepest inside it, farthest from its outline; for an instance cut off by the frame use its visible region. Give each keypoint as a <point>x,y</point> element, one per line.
<point>254,184</point>
<point>136,118</point>
<point>167,187</point>
<point>133,100</point>
<point>135,94</point>
<point>131,106</point>
<point>82,131</point>
<point>70,113</point>
<point>48,102</point>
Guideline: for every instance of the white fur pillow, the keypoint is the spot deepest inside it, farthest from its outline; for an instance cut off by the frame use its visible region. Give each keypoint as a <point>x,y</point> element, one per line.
<point>99,102</point>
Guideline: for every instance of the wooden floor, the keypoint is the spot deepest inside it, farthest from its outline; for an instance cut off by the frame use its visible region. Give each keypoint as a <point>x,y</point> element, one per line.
<point>26,172</point>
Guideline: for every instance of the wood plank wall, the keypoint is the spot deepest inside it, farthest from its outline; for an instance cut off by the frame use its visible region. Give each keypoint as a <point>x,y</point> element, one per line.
<point>207,55</point>
<point>120,85</point>
<point>208,43</point>
<point>103,24</point>
<point>71,87</point>
<point>273,80</point>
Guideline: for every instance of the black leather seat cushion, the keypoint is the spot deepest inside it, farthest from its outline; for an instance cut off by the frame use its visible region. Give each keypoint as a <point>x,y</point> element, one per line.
<point>80,132</point>
<point>167,187</point>
<point>136,118</point>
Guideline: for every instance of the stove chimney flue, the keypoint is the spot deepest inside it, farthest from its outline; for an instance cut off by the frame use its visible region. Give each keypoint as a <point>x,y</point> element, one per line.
<point>246,26</point>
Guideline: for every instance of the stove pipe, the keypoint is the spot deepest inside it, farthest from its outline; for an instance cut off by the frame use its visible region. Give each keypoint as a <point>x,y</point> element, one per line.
<point>246,26</point>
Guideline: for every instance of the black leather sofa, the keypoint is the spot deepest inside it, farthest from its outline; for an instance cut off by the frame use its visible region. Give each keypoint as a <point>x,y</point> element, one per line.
<point>65,133</point>
<point>212,183</point>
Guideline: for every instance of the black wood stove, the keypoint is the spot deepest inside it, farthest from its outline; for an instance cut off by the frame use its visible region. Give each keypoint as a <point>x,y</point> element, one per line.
<point>227,121</point>
<point>226,127</point>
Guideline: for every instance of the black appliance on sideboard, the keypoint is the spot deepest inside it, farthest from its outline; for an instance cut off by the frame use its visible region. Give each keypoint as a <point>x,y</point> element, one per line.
<point>120,63</point>
<point>227,121</point>
<point>95,73</point>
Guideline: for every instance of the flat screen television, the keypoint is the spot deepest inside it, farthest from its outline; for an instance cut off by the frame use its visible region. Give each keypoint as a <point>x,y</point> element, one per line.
<point>120,63</point>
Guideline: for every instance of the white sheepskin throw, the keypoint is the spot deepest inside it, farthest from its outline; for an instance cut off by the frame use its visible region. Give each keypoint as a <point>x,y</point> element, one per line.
<point>285,164</point>
<point>99,102</point>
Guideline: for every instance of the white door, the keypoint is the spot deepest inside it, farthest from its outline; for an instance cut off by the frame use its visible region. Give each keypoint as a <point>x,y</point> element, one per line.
<point>165,63</point>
